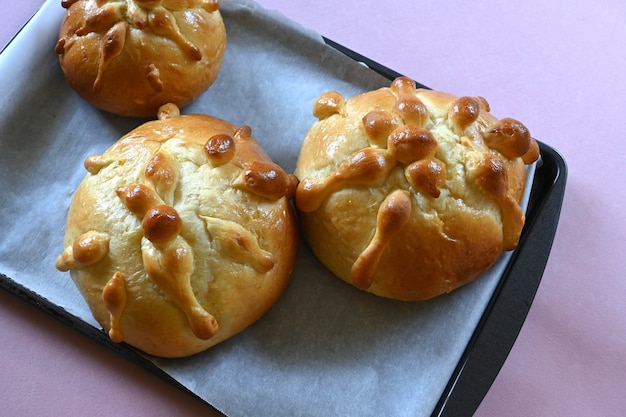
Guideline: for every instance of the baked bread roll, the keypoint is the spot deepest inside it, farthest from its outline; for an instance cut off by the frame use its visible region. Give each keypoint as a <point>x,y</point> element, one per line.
<point>131,57</point>
<point>409,193</point>
<point>181,234</point>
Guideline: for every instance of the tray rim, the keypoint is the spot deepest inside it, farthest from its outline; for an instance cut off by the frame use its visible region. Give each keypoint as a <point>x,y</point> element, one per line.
<point>480,363</point>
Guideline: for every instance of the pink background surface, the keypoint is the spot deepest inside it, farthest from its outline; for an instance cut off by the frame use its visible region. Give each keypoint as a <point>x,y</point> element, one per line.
<point>558,66</point>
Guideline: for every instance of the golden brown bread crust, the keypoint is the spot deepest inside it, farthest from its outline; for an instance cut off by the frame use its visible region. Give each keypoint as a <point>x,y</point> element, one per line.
<point>409,193</point>
<point>129,58</point>
<point>172,249</point>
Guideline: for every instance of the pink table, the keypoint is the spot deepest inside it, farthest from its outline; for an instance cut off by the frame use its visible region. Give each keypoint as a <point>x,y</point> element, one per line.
<point>558,66</point>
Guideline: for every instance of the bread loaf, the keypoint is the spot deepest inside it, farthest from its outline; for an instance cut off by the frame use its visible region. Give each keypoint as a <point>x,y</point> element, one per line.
<point>131,57</point>
<point>181,235</point>
<point>410,193</point>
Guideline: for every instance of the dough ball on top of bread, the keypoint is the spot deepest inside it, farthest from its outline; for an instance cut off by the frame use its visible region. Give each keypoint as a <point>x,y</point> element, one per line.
<point>181,235</point>
<point>131,57</point>
<point>410,193</point>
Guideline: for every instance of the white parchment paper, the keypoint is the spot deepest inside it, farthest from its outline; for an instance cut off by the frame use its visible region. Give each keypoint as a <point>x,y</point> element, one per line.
<point>325,348</point>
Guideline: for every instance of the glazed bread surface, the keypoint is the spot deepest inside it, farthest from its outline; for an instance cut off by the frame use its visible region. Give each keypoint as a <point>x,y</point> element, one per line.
<point>410,193</point>
<point>131,57</point>
<point>181,234</point>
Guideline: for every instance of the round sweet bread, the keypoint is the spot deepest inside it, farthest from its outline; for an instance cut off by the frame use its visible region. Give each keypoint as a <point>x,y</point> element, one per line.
<point>131,57</point>
<point>410,193</point>
<point>181,235</point>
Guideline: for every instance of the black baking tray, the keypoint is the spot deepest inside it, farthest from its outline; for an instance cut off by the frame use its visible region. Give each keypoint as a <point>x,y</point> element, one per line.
<point>501,321</point>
